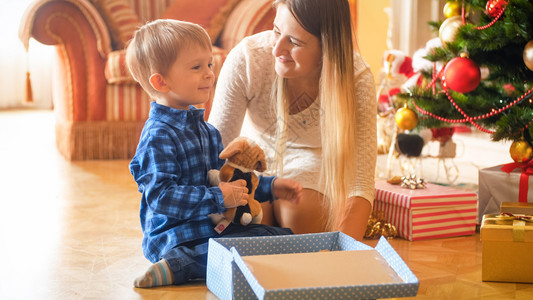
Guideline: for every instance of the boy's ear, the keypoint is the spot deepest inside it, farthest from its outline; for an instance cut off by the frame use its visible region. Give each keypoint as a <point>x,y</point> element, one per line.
<point>158,83</point>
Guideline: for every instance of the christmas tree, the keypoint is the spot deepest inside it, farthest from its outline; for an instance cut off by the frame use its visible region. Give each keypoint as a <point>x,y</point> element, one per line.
<point>482,76</point>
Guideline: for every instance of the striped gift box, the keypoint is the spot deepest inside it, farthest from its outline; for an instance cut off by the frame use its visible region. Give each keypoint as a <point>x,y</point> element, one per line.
<point>434,212</point>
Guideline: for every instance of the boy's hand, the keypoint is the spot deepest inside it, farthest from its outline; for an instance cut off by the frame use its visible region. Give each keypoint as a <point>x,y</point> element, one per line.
<point>287,189</point>
<point>234,193</point>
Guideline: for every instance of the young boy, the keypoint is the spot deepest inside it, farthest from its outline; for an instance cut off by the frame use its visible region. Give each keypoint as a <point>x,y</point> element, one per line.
<point>172,60</point>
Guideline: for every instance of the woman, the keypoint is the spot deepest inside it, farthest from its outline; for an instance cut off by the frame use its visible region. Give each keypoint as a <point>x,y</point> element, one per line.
<point>311,106</point>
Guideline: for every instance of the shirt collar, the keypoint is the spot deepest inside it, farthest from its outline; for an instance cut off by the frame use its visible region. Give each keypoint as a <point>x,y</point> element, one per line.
<point>176,117</point>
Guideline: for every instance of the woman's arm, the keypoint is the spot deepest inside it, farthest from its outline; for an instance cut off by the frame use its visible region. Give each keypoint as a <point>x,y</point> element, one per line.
<point>361,196</point>
<point>366,141</point>
<point>355,218</point>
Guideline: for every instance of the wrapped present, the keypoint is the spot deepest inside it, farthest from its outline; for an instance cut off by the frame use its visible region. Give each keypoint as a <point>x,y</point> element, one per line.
<point>432,212</point>
<point>328,265</point>
<point>508,185</point>
<point>507,248</point>
<point>516,208</point>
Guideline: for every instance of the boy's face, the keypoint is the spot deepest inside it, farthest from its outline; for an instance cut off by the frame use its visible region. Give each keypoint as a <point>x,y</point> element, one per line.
<point>190,78</point>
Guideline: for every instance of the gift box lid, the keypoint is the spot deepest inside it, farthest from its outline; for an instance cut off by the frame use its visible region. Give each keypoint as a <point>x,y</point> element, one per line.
<point>517,208</point>
<point>507,228</point>
<point>227,277</point>
<point>433,195</point>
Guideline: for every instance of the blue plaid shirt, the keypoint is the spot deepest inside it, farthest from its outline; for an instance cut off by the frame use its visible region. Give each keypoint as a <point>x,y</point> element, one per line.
<point>176,150</point>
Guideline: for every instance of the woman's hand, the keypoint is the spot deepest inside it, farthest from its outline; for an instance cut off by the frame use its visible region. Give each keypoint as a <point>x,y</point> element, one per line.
<point>287,189</point>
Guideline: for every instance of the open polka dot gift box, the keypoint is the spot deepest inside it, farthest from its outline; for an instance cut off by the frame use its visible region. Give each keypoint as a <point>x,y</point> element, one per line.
<point>306,266</point>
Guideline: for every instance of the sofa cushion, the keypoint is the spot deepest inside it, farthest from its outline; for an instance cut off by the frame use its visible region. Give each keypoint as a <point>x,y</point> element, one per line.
<point>120,18</point>
<point>211,15</point>
<point>115,68</point>
<point>248,17</point>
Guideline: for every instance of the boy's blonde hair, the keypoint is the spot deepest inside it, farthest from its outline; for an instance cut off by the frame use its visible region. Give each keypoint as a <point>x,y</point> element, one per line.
<point>156,45</point>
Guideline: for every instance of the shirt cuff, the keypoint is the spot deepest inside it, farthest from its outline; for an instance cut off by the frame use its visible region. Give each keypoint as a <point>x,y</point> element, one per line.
<point>264,191</point>
<point>219,199</point>
<point>369,196</point>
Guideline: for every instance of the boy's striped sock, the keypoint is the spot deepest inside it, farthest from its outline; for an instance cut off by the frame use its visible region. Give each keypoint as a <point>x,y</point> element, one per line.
<point>157,275</point>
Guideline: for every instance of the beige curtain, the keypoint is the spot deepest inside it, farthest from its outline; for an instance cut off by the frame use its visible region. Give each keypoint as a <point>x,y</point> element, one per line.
<point>14,61</point>
<point>409,30</point>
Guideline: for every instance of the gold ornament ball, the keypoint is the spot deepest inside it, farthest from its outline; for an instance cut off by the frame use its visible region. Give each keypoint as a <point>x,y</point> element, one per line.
<point>452,9</point>
<point>528,55</point>
<point>448,29</point>
<point>521,151</point>
<point>406,118</point>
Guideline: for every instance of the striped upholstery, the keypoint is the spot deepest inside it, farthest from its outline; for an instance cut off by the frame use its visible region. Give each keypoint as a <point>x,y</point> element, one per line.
<point>125,100</point>
<point>249,17</point>
<point>121,19</point>
<point>219,56</point>
<point>124,16</point>
<point>211,17</point>
<point>116,70</point>
<point>150,10</point>
<point>100,110</point>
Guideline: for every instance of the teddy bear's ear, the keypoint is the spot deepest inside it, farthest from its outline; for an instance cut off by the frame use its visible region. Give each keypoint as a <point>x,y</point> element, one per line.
<point>235,147</point>
<point>229,152</point>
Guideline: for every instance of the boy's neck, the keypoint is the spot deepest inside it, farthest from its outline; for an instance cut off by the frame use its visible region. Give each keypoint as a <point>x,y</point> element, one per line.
<point>164,102</point>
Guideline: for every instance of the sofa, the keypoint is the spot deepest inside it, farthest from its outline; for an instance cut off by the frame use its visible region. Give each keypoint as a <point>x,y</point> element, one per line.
<point>99,109</point>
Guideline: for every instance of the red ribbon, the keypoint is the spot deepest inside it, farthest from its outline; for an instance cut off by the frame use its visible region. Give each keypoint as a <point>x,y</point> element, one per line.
<point>527,169</point>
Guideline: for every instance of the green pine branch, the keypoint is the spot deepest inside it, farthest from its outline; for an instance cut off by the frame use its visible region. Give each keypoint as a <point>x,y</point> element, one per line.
<point>498,50</point>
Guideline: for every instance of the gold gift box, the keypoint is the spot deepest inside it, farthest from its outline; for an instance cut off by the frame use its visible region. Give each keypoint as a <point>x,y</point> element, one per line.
<point>507,248</point>
<point>517,208</point>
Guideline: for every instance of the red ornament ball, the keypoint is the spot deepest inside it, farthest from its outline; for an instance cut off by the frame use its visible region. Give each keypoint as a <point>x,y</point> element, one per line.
<point>495,7</point>
<point>462,75</point>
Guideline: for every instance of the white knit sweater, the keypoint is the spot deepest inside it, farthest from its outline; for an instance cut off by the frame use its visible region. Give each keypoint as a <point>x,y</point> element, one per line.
<point>242,96</point>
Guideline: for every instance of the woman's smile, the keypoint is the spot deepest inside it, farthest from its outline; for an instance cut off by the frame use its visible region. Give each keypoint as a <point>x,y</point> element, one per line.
<point>284,60</point>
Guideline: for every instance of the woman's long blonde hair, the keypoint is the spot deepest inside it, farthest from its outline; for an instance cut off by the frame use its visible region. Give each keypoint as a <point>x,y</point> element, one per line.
<point>330,22</point>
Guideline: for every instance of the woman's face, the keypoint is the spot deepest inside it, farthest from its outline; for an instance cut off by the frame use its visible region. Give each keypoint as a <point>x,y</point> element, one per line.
<point>298,53</point>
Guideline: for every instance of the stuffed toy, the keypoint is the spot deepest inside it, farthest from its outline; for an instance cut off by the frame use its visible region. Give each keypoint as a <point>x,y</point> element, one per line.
<point>243,157</point>
<point>397,68</point>
<point>409,144</point>
<point>421,63</point>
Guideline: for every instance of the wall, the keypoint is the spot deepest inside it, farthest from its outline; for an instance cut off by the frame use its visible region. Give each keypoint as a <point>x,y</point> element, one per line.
<point>372,27</point>
<point>14,61</point>
<point>394,24</point>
